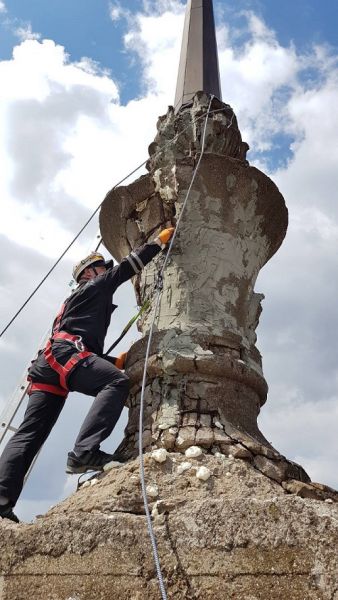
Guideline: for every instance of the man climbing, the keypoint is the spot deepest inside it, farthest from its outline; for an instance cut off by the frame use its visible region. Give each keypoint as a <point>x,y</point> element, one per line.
<point>73,361</point>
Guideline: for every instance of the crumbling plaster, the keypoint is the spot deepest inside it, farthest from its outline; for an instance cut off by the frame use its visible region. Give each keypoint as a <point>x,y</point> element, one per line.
<point>205,331</point>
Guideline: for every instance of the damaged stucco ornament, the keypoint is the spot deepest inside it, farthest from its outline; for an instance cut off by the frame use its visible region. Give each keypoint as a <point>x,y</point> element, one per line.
<point>205,383</point>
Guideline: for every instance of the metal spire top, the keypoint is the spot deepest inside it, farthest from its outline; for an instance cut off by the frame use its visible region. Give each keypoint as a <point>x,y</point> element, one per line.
<point>198,69</point>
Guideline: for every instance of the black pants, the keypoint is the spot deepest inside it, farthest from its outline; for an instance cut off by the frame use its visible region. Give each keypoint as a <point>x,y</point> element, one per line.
<point>97,378</point>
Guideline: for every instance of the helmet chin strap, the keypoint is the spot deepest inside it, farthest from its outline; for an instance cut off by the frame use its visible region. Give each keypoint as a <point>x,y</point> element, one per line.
<point>93,269</point>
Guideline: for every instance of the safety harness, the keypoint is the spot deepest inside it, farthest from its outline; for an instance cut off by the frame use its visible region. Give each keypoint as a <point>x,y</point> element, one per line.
<point>65,370</point>
<point>62,370</point>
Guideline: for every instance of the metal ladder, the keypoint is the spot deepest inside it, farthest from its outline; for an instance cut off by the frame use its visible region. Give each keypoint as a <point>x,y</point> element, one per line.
<point>8,414</point>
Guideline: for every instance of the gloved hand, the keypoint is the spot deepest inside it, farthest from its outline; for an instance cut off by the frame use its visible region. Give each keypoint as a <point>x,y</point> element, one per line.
<point>120,361</point>
<point>165,235</point>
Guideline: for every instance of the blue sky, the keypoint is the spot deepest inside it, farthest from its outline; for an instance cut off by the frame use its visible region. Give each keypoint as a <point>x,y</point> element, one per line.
<point>69,129</point>
<point>300,21</point>
<point>84,28</point>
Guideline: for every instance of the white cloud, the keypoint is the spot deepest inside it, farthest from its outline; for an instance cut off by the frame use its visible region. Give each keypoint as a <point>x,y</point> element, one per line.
<point>256,80</point>
<point>299,424</point>
<point>117,12</point>
<point>46,102</point>
<point>3,8</point>
<point>311,179</point>
<point>25,33</point>
<point>156,39</point>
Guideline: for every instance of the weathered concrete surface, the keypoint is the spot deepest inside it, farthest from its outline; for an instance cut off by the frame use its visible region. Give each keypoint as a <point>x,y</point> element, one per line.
<point>203,358</point>
<point>237,535</point>
<point>249,525</point>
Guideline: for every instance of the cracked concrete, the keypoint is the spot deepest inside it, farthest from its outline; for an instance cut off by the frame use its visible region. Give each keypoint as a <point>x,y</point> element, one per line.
<point>239,534</point>
<point>205,331</point>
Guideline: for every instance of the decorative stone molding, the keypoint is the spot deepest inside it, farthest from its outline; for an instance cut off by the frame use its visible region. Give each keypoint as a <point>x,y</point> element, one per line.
<point>203,359</point>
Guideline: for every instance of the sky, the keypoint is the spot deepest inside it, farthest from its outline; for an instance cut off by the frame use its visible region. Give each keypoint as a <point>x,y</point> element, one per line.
<point>82,85</point>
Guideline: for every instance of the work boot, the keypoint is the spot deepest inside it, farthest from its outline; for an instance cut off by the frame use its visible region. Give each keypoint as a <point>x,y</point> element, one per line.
<point>91,461</point>
<point>6,512</point>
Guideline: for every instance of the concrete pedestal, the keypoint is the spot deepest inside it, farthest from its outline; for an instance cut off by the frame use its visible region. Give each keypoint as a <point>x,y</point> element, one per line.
<point>205,376</point>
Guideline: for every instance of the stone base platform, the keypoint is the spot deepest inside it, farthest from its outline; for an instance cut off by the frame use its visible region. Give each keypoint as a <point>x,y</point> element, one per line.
<point>225,530</point>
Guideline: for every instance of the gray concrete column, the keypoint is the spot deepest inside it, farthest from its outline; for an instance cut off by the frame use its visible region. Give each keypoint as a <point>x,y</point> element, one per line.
<point>205,382</point>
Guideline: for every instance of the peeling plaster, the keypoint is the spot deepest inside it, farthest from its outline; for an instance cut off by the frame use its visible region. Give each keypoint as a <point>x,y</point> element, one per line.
<point>230,182</point>
<point>234,220</point>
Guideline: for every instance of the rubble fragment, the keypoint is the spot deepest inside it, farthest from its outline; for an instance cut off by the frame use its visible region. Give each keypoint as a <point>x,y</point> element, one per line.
<point>160,455</point>
<point>193,452</point>
<point>152,490</point>
<point>203,473</point>
<point>182,467</point>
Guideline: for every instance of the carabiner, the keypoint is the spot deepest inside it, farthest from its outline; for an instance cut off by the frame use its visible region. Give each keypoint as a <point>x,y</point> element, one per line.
<point>79,345</point>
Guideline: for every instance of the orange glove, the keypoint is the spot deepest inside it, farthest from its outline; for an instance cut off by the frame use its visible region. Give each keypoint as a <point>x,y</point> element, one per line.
<point>165,235</point>
<point>121,360</point>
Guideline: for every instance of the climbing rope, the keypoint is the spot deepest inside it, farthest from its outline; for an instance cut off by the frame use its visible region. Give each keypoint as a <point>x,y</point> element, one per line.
<point>172,141</point>
<point>143,308</point>
<point>157,303</point>
<point>159,287</point>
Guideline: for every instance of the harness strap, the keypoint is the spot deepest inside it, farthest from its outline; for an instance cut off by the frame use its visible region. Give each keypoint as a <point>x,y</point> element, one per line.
<point>44,387</point>
<point>143,308</point>
<point>64,370</point>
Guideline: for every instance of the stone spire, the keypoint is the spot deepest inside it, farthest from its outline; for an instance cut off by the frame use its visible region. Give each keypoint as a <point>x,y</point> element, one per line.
<point>205,382</point>
<point>198,70</point>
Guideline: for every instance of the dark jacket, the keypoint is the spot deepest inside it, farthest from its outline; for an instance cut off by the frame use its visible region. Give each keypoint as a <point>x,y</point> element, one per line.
<point>88,310</point>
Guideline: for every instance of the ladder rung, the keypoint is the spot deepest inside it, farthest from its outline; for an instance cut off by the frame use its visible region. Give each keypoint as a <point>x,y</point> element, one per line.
<point>10,428</point>
<point>10,411</point>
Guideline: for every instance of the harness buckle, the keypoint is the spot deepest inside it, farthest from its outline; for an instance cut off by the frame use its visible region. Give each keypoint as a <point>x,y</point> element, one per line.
<point>79,345</point>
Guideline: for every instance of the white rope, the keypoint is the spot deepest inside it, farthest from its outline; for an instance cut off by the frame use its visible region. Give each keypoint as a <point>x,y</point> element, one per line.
<point>158,296</point>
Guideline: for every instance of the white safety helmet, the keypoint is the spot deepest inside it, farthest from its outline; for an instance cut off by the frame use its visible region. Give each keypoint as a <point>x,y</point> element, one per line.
<point>95,258</point>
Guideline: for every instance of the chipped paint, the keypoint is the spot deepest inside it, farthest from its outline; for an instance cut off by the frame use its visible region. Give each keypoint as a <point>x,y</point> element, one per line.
<point>205,356</point>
